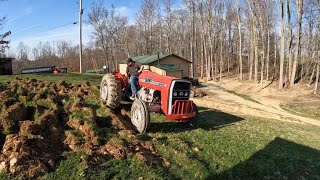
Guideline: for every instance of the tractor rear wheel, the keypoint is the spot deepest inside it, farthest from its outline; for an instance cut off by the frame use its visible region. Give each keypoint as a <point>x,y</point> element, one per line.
<point>110,91</point>
<point>140,116</point>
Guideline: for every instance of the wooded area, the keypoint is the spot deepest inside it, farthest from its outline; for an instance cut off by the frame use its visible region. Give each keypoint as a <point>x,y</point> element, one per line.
<point>256,40</point>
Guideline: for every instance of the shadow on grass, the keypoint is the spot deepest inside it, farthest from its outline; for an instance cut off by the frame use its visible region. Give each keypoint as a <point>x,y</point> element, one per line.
<point>280,159</point>
<point>208,119</point>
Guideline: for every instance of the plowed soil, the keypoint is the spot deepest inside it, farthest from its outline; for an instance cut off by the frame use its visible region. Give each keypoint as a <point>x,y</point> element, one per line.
<point>39,121</point>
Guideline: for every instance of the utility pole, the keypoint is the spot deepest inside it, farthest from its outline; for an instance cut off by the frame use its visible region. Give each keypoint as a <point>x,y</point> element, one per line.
<point>80,31</point>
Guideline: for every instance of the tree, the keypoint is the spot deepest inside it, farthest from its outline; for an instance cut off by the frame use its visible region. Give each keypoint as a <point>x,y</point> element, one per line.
<point>318,62</point>
<point>146,21</point>
<point>107,25</point>
<point>169,24</point>
<point>4,44</point>
<point>240,39</point>
<point>282,42</point>
<point>290,39</point>
<point>23,51</point>
<point>298,39</point>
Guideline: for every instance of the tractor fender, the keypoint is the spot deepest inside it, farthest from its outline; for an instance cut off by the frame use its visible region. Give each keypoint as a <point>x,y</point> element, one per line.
<point>122,79</point>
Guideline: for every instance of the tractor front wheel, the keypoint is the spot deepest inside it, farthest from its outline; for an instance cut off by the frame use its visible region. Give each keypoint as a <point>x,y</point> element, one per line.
<point>110,91</point>
<point>193,122</point>
<point>140,116</point>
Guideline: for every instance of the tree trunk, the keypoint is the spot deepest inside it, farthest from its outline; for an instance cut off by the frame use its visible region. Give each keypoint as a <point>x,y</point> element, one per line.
<point>221,48</point>
<point>318,62</point>
<point>193,39</point>
<point>262,70</point>
<point>312,74</point>
<point>290,39</point>
<point>256,55</point>
<point>275,58</point>
<point>221,59</point>
<point>268,54</point>
<point>281,8</point>
<point>298,38</point>
<point>251,54</point>
<point>317,75</point>
<point>240,41</point>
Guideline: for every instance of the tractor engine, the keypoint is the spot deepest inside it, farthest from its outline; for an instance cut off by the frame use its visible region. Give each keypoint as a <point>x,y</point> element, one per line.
<point>149,95</point>
<point>170,94</point>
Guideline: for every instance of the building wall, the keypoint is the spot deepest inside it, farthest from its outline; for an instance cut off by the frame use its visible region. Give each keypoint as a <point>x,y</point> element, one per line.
<point>5,66</point>
<point>171,60</point>
<point>122,68</point>
<point>177,74</point>
<point>158,71</point>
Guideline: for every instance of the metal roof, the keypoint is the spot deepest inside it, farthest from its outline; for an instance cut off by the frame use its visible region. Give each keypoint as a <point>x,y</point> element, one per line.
<point>148,59</point>
<point>167,67</point>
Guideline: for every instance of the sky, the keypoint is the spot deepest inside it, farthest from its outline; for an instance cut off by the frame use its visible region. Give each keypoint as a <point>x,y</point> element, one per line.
<point>32,21</point>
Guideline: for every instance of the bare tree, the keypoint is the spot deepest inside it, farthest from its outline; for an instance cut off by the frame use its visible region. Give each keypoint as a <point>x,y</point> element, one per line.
<point>23,51</point>
<point>282,42</point>
<point>107,24</point>
<point>146,20</point>
<point>4,44</point>
<point>318,62</point>
<point>290,40</point>
<point>240,39</point>
<point>298,38</point>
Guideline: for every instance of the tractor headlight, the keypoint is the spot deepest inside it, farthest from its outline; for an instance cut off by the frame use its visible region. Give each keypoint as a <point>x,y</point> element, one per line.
<point>186,94</point>
<point>175,94</point>
<point>181,93</point>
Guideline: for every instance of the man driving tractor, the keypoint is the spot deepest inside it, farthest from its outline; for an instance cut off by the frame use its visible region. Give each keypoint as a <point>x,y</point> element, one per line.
<point>133,70</point>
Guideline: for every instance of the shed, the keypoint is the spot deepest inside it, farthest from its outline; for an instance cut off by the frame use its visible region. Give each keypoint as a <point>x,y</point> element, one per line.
<point>164,64</point>
<point>6,66</point>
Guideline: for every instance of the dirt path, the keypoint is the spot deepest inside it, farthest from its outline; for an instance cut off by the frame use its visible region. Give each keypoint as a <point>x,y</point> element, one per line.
<point>219,98</point>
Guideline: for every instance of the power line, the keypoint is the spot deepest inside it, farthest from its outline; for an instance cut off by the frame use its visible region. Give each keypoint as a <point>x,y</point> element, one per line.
<point>62,25</point>
<point>39,31</point>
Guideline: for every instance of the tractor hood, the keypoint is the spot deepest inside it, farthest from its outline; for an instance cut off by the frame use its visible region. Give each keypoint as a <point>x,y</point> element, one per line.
<point>154,80</point>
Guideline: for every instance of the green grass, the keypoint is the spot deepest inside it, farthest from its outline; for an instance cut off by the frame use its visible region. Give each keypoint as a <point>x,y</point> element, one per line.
<point>72,166</point>
<point>312,111</point>
<point>4,176</point>
<point>244,96</point>
<point>224,146</point>
<point>73,78</point>
<point>241,148</point>
<point>130,168</point>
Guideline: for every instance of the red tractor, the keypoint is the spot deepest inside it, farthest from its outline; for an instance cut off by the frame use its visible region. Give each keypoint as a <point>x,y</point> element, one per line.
<point>157,93</point>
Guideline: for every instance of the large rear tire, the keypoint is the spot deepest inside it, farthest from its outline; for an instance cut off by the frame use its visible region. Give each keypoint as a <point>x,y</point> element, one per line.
<point>140,116</point>
<point>110,91</point>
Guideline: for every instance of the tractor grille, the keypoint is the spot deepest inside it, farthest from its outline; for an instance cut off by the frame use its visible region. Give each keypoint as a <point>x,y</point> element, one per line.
<point>181,87</point>
<point>182,107</point>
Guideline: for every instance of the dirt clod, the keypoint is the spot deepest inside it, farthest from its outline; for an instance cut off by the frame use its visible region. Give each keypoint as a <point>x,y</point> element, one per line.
<point>198,93</point>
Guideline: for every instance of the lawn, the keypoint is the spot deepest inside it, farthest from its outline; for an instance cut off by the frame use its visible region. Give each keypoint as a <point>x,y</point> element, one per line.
<point>307,110</point>
<point>223,146</point>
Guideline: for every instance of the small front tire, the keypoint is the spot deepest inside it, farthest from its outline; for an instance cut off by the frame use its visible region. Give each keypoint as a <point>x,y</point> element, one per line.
<point>140,116</point>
